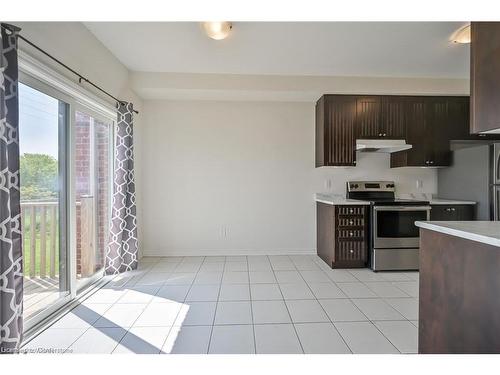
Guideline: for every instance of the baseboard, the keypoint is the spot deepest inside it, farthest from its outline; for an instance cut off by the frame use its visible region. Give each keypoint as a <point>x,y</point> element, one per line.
<point>222,252</point>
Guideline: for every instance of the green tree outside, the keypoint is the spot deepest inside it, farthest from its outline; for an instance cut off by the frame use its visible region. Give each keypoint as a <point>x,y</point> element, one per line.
<point>39,182</point>
<point>39,176</point>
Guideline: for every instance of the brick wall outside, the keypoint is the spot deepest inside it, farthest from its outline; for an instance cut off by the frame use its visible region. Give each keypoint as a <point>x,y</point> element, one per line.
<point>83,181</point>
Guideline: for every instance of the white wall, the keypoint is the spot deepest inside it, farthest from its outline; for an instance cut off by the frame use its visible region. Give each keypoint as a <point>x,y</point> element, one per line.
<point>244,166</point>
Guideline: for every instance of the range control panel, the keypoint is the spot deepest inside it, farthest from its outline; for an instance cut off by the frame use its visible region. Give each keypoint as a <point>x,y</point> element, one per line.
<point>371,186</point>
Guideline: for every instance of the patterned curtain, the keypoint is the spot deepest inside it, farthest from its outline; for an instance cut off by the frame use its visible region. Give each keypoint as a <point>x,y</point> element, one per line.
<point>11,258</point>
<point>121,254</point>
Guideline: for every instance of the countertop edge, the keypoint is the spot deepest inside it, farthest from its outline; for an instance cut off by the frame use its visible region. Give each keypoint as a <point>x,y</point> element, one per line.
<point>450,202</point>
<point>334,201</point>
<point>459,233</point>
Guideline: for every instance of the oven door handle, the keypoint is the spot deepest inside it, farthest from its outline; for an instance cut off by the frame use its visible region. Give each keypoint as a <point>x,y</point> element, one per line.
<point>414,208</point>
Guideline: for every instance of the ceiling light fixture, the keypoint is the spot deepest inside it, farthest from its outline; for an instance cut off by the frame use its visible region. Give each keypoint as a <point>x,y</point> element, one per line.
<point>217,30</point>
<point>462,35</point>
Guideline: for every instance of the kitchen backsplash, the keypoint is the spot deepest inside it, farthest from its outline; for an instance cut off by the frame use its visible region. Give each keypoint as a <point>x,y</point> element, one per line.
<point>421,182</point>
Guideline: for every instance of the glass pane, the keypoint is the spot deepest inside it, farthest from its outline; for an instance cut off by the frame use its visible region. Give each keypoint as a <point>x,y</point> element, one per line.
<point>392,224</point>
<point>92,173</point>
<point>42,118</point>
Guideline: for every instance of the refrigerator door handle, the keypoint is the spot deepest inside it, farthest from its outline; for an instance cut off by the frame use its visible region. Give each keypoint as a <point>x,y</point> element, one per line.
<point>495,202</point>
<point>496,164</point>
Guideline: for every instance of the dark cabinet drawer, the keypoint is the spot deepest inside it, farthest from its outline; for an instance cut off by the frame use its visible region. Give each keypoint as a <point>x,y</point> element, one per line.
<point>351,233</point>
<point>350,210</point>
<point>350,222</point>
<point>465,212</point>
<point>351,252</point>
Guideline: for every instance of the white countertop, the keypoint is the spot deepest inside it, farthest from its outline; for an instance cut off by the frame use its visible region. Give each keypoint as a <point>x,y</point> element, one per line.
<point>438,201</point>
<point>433,200</point>
<point>338,200</point>
<point>487,232</point>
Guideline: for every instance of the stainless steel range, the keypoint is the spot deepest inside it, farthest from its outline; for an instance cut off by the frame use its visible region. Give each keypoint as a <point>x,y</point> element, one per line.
<point>394,238</point>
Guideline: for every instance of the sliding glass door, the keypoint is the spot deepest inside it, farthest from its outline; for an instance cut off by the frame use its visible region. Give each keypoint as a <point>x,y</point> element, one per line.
<point>66,166</point>
<point>43,121</point>
<point>92,171</point>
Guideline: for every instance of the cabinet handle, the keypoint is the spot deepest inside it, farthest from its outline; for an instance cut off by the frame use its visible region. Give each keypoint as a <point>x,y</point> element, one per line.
<point>351,211</point>
<point>351,222</point>
<point>385,135</point>
<point>432,162</point>
<point>351,234</point>
<point>351,251</point>
<point>380,134</point>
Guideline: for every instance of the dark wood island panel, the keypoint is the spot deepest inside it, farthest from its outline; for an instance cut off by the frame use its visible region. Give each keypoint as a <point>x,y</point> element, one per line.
<point>459,304</point>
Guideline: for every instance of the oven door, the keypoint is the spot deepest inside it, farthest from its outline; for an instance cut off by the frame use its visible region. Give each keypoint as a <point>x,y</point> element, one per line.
<point>394,227</point>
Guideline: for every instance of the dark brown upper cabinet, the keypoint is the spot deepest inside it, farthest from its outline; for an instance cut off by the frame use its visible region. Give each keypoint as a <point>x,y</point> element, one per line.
<point>427,132</point>
<point>485,76</point>
<point>335,131</point>
<point>380,117</point>
<point>428,123</point>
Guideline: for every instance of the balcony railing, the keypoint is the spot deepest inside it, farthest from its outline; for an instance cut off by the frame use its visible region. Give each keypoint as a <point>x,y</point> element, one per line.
<point>39,221</point>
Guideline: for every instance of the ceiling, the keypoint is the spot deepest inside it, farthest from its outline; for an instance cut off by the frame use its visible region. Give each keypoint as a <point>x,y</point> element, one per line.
<point>384,49</point>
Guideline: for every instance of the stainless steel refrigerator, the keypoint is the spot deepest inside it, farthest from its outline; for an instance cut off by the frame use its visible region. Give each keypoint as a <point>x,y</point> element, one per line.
<point>474,176</point>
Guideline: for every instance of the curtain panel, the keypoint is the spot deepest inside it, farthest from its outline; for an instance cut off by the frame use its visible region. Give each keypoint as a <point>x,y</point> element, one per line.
<point>121,254</point>
<point>11,261</point>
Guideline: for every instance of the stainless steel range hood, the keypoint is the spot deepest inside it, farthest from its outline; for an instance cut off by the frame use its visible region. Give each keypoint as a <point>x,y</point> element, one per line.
<point>382,145</point>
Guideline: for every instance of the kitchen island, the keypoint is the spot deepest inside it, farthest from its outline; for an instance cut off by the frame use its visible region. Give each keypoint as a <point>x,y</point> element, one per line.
<point>459,291</point>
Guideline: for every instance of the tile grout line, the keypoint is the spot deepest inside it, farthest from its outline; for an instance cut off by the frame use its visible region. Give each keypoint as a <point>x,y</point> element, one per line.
<point>216,307</point>
<point>251,308</point>
<point>286,306</point>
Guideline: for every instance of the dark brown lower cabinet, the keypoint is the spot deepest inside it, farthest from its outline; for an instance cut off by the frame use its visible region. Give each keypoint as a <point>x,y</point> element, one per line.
<point>459,308</point>
<point>461,212</point>
<point>342,236</point>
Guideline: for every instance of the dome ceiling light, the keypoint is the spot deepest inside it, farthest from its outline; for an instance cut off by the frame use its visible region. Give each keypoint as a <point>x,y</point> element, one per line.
<point>462,35</point>
<point>217,30</point>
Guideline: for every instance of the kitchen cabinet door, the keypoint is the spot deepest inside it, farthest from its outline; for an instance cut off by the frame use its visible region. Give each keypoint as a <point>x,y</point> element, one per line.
<point>368,117</point>
<point>485,76</point>
<point>437,141</point>
<point>335,131</point>
<point>415,108</point>
<point>393,117</point>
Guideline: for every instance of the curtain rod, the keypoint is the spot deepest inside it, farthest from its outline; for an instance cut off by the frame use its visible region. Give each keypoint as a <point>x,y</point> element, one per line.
<point>81,78</point>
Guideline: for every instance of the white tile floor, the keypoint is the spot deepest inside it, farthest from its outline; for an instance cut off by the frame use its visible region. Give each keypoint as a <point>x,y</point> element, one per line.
<point>238,304</point>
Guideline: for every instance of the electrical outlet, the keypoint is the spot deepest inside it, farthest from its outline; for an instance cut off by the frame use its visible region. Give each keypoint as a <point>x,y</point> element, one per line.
<point>224,231</point>
<point>328,184</point>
